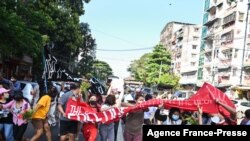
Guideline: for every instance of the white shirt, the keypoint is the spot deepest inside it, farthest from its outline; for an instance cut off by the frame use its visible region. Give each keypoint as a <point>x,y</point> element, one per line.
<point>149,114</point>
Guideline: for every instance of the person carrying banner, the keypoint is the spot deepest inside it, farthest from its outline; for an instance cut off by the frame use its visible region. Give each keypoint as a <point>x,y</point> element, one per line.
<point>39,118</point>
<point>107,130</point>
<point>220,118</point>
<point>134,122</point>
<point>90,130</point>
<point>68,128</point>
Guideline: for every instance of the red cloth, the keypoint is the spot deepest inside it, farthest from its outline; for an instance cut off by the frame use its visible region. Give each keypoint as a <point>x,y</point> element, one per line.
<point>205,98</point>
<point>89,132</point>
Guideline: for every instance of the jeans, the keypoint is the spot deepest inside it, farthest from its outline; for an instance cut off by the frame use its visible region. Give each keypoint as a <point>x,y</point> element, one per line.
<point>107,132</point>
<point>8,131</point>
<point>132,137</point>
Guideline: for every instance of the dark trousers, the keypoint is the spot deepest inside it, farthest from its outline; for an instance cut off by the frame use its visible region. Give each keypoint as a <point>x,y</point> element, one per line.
<point>116,129</point>
<point>18,131</point>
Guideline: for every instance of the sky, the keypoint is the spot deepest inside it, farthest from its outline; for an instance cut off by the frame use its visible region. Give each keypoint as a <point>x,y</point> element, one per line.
<point>134,24</point>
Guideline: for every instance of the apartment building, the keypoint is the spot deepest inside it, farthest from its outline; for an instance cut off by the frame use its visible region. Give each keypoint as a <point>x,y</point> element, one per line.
<point>183,41</point>
<point>221,50</point>
<point>186,53</point>
<point>167,33</point>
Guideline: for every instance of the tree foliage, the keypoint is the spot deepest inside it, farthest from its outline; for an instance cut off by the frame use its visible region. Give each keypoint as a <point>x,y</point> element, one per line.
<point>27,25</point>
<point>87,50</point>
<point>101,69</point>
<point>154,68</point>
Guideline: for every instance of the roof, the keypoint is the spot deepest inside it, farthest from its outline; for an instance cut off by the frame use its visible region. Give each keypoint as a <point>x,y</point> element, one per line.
<point>174,22</point>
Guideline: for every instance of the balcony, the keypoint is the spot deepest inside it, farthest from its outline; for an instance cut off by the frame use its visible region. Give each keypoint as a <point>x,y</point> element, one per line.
<point>229,19</point>
<point>211,20</point>
<point>209,36</point>
<point>224,64</point>
<point>227,38</point>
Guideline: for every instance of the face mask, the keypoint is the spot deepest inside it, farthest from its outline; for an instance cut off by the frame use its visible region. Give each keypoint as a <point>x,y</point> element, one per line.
<point>215,119</point>
<point>175,117</point>
<point>92,102</point>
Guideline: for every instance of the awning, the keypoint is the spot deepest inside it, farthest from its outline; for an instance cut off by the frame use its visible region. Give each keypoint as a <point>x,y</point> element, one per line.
<point>241,87</point>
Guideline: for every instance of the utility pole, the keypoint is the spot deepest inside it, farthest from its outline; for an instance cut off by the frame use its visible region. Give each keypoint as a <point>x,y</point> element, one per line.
<point>244,44</point>
<point>160,72</point>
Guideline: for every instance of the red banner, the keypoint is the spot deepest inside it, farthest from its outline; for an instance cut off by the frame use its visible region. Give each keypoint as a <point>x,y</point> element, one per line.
<point>205,97</point>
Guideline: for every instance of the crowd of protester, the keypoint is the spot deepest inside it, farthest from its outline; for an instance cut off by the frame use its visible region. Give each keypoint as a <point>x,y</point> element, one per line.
<point>47,106</point>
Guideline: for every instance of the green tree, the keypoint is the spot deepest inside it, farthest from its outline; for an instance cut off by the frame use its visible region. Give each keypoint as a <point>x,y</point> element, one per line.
<point>18,35</point>
<point>87,50</point>
<point>154,68</point>
<point>101,70</point>
<point>139,68</point>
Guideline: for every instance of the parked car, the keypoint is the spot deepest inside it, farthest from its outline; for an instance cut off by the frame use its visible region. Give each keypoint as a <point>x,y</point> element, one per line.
<point>27,89</point>
<point>147,90</point>
<point>182,95</point>
<point>241,107</point>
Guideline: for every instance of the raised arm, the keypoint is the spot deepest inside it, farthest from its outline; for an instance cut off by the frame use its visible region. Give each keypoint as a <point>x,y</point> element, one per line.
<point>200,112</point>
<point>231,110</point>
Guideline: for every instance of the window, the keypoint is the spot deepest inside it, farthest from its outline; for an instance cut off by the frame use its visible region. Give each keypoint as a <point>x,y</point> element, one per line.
<point>220,7</point>
<point>194,46</point>
<point>192,63</point>
<point>228,54</point>
<point>241,16</point>
<point>195,38</point>
<point>196,29</point>
<point>227,37</point>
<point>193,55</point>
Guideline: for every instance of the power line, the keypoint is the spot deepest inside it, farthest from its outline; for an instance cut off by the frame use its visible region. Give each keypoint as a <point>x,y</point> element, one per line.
<point>147,48</point>
<point>135,49</point>
<point>119,38</point>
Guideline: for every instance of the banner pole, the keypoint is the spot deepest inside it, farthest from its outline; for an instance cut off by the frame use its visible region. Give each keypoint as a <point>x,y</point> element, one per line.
<point>45,75</point>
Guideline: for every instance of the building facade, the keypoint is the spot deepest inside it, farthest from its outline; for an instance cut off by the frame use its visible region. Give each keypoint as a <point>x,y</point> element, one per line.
<point>183,41</point>
<point>221,51</point>
<point>186,53</point>
<point>167,34</point>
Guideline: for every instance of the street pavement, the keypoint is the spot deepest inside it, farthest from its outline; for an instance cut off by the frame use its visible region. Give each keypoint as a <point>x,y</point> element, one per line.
<point>55,130</point>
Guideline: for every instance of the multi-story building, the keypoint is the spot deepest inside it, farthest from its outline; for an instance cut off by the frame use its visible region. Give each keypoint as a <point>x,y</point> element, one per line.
<point>183,41</point>
<point>186,53</point>
<point>167,34</point>
<point>221,49</point>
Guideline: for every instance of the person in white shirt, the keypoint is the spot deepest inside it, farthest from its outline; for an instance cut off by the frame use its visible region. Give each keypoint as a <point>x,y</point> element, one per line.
<point>148,116</point>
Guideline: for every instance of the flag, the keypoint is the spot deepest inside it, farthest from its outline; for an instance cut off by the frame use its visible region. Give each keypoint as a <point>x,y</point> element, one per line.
<point>54,71</point>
